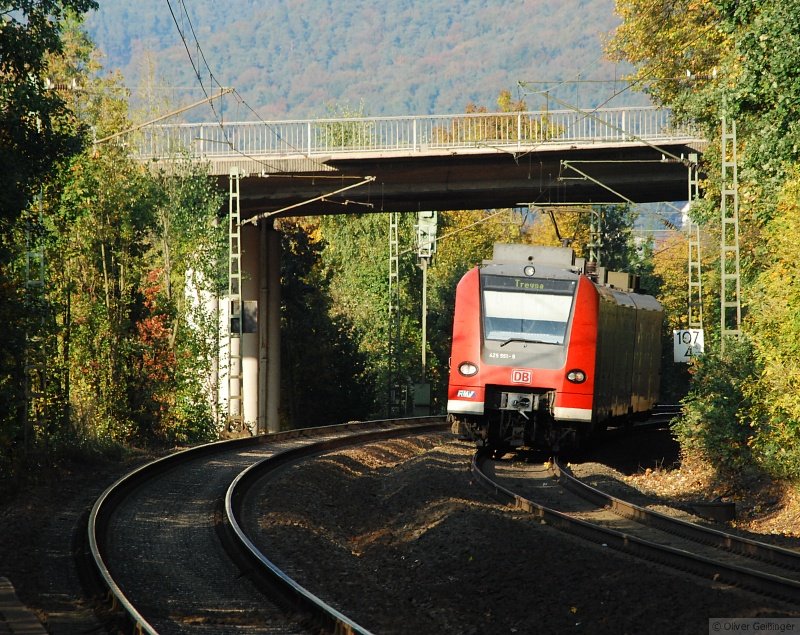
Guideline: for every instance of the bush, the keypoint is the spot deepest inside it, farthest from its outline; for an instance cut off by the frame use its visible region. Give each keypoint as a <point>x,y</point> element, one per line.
<point>716,424</point>
<point>776,429</point>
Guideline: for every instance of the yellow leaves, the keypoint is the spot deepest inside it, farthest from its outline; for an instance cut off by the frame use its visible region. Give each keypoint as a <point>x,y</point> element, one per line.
<point>774,307</point>
<point>686,34</point>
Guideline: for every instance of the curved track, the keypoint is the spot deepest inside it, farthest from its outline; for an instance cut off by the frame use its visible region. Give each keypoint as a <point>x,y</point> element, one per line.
<point>157,538</point>
<point>552,493</point>
<point>243,530</point>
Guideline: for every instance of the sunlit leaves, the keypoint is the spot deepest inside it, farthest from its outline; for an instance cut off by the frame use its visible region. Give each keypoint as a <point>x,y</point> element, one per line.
<point>775,326</point>
<point>31,139</point>
<point>739,60</point>
<point>674,44</point>
<point>713,427</point>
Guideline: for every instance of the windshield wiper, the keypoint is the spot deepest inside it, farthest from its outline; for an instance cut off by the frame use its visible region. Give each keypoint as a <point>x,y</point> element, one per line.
<point>522,339</point>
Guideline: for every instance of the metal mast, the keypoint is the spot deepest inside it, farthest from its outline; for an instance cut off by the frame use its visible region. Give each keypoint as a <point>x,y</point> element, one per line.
<point>595,235</point>
<point>695,280</point>
<point>730,296</point>
<point>426,247</point>
<point>394,312</point>
<point>235,326</point>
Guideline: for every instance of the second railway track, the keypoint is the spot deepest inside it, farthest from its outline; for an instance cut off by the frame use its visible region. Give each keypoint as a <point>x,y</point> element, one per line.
<point>551,492</point>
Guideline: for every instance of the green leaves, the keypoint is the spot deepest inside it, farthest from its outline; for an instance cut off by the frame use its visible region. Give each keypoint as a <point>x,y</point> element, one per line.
<point>713,426</point>
<point>743,58</point>
<point>675,46</point>
<point>34,140</point>
<point>324,367</point>
<point>31,139</point>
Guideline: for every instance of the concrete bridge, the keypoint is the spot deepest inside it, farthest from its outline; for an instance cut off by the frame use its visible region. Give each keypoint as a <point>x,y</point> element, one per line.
<point>468,161</point>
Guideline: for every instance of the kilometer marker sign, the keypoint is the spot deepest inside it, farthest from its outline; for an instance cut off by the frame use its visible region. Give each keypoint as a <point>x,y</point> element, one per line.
<point>686,344</point>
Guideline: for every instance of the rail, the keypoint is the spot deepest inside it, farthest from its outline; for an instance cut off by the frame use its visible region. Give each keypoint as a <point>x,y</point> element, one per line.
<point>413,134</point>
<point>324,615</point>
<point>699,562</point>
<point>107,504</point>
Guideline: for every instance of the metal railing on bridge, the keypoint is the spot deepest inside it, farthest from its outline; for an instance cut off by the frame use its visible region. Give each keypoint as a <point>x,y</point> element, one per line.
<point>413,134</point>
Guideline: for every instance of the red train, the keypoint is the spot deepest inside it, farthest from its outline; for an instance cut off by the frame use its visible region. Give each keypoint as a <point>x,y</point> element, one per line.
<point>543,355</point>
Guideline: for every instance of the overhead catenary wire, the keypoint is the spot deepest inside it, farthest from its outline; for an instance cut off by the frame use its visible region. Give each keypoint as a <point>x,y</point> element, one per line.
<point>588,114</point>
<point>172,113</point>
<point>631,83</point>
<point>217,116</point>
<point>196,69</point>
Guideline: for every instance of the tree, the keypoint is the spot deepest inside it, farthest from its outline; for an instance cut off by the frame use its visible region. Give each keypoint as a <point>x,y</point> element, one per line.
<point>345,134</point>
<point>104,214</point>
<point>617,249</point>
<point>672,66</point>
<point>325,379</point>
<point>356,262</point>
<point>128,353</point>
<point>35,136</point>
<point>32,139</point>
<point>774,330</point>
<point>184,268</point>
<point>742,58</point>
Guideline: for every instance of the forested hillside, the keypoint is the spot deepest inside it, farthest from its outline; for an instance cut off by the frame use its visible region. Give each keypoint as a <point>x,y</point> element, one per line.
<point>300,58</point>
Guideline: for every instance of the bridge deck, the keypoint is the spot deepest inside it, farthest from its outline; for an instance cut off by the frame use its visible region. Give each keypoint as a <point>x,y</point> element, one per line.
<point>439,162</point>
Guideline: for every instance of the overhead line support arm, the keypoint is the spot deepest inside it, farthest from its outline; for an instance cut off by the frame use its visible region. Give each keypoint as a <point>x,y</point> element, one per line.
<point>622,130</point>
<point>258,217</point>
<point>224,91</point>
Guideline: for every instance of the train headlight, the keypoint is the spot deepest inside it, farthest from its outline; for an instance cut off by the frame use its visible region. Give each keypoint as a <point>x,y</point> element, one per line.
<point>576,376</point>
<point>468,369</point>
<point>529,270</point>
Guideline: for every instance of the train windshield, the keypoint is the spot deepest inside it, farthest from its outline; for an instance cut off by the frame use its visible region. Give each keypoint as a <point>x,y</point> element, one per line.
<point>538,312</point>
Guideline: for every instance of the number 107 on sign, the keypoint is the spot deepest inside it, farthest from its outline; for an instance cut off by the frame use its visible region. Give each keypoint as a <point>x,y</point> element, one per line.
<point>686,344</point>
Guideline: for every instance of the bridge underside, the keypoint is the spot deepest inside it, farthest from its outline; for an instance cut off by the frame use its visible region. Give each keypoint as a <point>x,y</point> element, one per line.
<point>466,179</point>
<point>484,178</point>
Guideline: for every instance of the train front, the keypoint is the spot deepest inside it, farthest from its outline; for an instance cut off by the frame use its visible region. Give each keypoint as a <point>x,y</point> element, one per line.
<point>523,352</point>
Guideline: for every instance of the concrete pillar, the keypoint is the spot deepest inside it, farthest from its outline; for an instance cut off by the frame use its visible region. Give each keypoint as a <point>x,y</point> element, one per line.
<point>273,347</point>
<point>249,344</point>
<point>263,338</point>
<point>269,329</point>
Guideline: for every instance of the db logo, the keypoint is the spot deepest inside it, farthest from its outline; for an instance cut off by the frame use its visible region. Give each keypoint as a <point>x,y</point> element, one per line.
<point>521,376</point>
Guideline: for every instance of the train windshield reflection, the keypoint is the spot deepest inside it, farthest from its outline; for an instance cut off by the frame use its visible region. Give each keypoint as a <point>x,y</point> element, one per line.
<point>525,317</point>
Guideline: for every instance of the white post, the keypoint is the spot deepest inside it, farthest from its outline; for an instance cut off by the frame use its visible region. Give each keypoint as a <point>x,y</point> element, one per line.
<point>273,274</point>
<point>249,340</point>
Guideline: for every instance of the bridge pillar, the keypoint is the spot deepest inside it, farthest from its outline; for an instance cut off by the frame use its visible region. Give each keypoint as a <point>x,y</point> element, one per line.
<point>269,320</point>
<point>250,337</point>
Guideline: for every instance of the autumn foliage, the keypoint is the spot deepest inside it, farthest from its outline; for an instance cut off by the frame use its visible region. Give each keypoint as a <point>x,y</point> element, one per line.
<point>710,59</point>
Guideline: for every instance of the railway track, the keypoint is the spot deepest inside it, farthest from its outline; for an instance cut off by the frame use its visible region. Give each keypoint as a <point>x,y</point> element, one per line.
<point>393,533</point>
<point>168,544</point>
<point>551,492</point>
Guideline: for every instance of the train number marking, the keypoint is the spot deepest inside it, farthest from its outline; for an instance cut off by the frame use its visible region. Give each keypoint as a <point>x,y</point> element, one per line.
<point>502,356</point>
<point>521,376</point>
